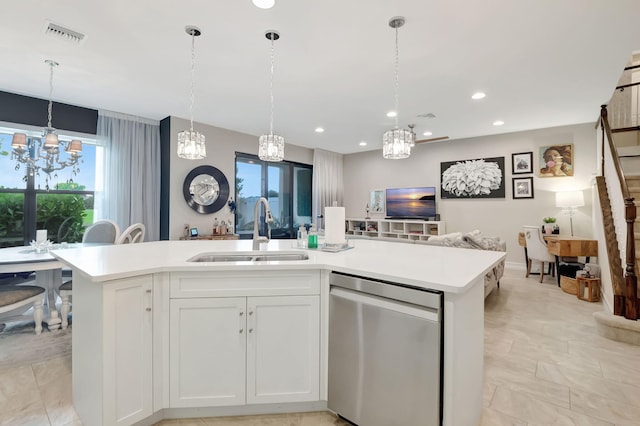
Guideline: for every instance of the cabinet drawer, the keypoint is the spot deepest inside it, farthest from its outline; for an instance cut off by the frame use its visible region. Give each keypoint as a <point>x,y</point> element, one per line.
<point>245,283</point>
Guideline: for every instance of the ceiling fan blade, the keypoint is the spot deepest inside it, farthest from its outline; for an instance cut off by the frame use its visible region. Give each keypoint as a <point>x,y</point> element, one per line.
<point>432,139</point>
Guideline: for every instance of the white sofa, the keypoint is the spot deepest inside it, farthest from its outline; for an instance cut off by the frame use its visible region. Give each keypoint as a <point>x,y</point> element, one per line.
<point>475,240</point>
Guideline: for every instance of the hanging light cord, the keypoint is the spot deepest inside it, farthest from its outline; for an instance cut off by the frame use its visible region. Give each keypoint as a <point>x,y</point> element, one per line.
<point>193,72</point>
<point>271,82</point>
<point>397,79</point>
<point>50,93</point>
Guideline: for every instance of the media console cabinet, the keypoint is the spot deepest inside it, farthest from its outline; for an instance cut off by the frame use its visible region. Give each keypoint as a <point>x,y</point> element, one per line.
<point>403,229</point>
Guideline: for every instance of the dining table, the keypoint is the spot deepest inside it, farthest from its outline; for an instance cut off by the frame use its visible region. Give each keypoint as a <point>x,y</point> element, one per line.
<point>48,271</point>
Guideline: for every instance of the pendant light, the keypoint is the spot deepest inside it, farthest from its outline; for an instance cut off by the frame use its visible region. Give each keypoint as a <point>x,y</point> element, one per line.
<point>397,143</point>
<point>271,146</point>
<point>191,145</point>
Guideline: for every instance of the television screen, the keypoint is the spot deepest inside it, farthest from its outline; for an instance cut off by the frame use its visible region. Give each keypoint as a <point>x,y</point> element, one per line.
<point>411,203</point>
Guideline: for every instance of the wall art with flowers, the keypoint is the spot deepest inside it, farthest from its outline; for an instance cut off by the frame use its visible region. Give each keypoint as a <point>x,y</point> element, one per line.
<point>480,178</point>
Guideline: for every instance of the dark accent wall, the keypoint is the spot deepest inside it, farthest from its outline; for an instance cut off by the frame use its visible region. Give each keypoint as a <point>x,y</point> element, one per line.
<point>33,111</point>
<point>165,175</point>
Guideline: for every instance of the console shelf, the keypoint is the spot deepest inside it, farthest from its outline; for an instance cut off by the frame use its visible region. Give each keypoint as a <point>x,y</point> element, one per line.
<point>409,230</point>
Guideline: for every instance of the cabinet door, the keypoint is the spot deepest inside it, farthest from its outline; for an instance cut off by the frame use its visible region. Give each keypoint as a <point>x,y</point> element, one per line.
<point>207,352</point>
<point>283,349</point>
<point>128,383</point>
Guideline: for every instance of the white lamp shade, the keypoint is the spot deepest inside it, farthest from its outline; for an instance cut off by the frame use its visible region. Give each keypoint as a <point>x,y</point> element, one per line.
<point>569,199</point>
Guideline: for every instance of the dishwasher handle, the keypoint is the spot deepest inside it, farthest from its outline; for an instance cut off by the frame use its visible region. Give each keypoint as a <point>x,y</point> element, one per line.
<point>383,303</point>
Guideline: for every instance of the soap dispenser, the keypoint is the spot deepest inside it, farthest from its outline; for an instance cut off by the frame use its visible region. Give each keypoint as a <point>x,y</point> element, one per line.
<point>313,237</point>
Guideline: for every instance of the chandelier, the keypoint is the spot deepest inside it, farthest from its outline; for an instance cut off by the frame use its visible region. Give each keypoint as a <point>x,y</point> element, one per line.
<point>271,146</point>
<point>43,154</point>
<point>397,143</point>
<point>191,144</point>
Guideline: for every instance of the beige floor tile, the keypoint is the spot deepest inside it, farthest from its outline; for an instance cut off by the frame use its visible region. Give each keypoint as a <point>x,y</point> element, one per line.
<point>602,406</point>
<point>20,402</point>
<point>322,418</point>
<point>535,412</point>
<point>58,401</point>
<point>52,370</point>
<point>492,417</point>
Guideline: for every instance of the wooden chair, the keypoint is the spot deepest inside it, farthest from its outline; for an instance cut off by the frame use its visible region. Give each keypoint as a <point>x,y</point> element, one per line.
<point>65,291</point>
<point>537,250</point>
<point>17,299</point>
<point>133,234</point>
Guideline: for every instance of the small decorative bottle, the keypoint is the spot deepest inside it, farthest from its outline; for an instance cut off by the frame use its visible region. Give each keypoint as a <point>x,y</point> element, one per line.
<point>313,237</point>
<point>216,226</point>
<point>223,228</point>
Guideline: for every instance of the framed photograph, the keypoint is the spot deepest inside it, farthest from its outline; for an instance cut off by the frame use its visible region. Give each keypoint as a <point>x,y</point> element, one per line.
<point>193,232</point>
<point>481,178</point>
<point>556,160</point>
<point>376,202</point>
<point>522,187</point>
<point>522,162</point>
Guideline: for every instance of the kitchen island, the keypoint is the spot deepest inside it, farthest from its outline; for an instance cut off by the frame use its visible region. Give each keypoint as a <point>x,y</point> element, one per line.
<point>158,336</point>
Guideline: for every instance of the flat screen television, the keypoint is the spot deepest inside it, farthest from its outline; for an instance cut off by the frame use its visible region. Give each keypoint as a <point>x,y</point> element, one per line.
<point>411,203</point>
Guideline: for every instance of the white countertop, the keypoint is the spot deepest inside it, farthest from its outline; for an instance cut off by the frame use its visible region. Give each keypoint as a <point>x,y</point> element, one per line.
<point>440,268</point>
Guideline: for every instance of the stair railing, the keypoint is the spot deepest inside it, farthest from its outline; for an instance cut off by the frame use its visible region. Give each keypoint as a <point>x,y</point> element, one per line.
<point>625,304</point>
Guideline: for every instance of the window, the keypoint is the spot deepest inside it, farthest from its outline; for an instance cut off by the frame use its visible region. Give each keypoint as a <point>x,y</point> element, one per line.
<point>25,205</point>
<point>287,187</point>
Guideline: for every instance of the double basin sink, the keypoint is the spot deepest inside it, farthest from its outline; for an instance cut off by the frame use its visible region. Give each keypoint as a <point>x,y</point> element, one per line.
<point>250,257</point>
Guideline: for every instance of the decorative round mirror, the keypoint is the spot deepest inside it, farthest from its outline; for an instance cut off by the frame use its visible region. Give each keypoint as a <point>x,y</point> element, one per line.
<point>206,189</point>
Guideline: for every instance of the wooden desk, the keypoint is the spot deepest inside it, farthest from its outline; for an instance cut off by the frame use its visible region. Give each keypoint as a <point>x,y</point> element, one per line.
<point>566,246</point>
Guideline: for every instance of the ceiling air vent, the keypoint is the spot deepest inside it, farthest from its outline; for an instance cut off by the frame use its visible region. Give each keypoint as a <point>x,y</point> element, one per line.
<point>63,33</point>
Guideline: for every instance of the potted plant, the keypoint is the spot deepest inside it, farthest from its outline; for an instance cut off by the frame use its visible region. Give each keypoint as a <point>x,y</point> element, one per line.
<point>549,224</point>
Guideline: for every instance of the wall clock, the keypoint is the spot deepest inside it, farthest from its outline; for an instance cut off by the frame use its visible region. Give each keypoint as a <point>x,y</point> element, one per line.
<point>206,189</point>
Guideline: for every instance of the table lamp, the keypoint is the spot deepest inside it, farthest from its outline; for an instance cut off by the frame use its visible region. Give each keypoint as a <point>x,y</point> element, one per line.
<point>569,201</point>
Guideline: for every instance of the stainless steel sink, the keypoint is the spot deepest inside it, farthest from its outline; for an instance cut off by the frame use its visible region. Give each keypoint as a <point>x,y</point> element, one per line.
<point>249,257</point>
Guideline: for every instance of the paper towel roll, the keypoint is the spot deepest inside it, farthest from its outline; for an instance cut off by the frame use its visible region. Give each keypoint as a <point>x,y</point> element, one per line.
<point>334,225</point>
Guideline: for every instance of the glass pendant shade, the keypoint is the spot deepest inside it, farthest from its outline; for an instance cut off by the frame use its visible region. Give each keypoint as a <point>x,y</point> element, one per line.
<point>19,141</point>
<point>191,145</point>
<point>396,144</point>
<point>271,147</point>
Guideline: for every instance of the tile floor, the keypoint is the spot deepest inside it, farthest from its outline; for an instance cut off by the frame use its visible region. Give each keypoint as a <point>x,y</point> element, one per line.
<point>544,365</point>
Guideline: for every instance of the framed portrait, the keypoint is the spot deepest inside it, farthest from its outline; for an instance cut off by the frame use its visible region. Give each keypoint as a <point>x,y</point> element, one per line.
<point>480,178</point>
<point>556,161</point>
<point>522,187</point>
<point>522,162</point>
<point>376,202</point>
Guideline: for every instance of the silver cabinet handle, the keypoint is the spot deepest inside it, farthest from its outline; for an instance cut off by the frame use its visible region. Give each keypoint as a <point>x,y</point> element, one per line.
<point>251,330</point>
<point>241,313</point>
<point>250,312</point>
<point>148,291</point>
<point>241,330</point>
<point>148,309</point>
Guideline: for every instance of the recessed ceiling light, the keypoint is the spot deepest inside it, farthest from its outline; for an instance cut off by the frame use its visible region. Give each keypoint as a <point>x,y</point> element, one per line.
<point>264,4</point>
<point>498,123</point>
<point>363,143</point>
<point>478,95</point>
<point>427,133</point>
<point>391,114</point>
<point>319,130</point>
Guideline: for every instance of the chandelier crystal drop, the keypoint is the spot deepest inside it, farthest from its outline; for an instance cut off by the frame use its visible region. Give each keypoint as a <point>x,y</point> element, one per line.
<point>271,145</point>
<point>43,154</point>
<point>397,143</point>
<point>191,144</point>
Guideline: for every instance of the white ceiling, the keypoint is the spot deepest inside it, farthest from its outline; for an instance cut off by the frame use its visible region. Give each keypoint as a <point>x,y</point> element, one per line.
<point>542,63</point>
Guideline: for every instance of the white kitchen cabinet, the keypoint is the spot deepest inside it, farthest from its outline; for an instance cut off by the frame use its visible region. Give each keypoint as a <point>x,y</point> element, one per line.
<point>207,352</point>
<point>244,350</point>
<point>112,340</point>
<point>283,361</point>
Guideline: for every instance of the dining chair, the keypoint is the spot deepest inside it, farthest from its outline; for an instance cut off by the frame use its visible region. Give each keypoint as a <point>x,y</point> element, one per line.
<point>103,231</point>
<point>537,250</point>
<point>65,291</point>
<point>133,234</point>
<point>15,300</point>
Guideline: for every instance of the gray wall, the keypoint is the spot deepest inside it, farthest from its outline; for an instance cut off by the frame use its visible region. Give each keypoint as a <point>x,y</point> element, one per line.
<point>222,145</point>
<point>504,217</point>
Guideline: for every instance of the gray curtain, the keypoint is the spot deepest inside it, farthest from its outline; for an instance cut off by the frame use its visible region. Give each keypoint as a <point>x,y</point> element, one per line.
<point>327,181</point>
<point>131,174</point>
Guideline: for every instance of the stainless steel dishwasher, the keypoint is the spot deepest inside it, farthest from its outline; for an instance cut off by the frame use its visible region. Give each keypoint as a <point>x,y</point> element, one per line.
<point>385,353</point>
